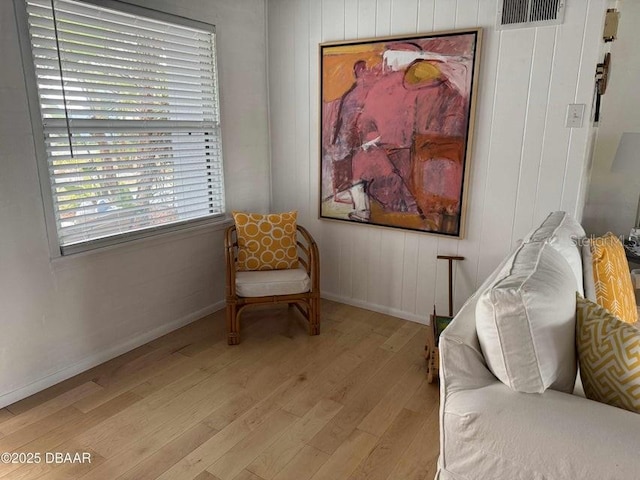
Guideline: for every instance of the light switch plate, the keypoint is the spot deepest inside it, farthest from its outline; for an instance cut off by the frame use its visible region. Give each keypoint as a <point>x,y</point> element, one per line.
<point>575,115</point>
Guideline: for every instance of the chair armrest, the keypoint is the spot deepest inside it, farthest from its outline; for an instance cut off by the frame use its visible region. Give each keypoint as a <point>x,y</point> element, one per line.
<point>312,260</point>
<point>230,259</point>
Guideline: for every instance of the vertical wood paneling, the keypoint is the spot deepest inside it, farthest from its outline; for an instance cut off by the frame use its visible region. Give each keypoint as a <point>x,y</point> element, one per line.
<point>512,86</point>
<point>288,109</point>
<point>301,96</point>
<point>332,20</point>
<point>448,247</point>
<point>367,11</point>
<point>276,41</point>
<point>426,10</point>
<point>535,125</point>
<point>444,15</point>
<point>526,80</point>
<point>383,17</point>
<point>425,290</point>
<point>467,14</point>
<point>330,256</point>
<point>404,17</point>
<point>471,247</point>
<point>315,37</point>
<point>564,81</point>
<point>391,267</point>
<point>360,264</point>
<point>374,274</point>
<point>346,263</point>
<point>410,272</point>
<point>581,139</point>
<point>351,19</point>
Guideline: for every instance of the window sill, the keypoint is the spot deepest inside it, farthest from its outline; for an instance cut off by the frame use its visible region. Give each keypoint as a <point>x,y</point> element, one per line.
<point>156,237</point>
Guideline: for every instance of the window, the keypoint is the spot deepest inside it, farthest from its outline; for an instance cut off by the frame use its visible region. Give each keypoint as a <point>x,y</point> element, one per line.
<point>131,121</point>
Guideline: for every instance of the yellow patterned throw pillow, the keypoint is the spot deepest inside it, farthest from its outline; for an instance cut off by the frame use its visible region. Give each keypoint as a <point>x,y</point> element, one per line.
<point>266,242</point>
<point>612,279</point>
<point>609,355</point>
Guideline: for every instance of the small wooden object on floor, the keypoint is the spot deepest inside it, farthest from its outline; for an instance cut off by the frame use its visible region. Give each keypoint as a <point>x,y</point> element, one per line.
<point>438,324</point>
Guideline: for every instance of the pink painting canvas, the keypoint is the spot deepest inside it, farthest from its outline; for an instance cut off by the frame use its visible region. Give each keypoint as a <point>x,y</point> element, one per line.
<point>396,117</point>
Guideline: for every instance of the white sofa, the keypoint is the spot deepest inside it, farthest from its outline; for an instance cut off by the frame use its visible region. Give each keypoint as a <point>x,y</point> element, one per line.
<point>489,431</point>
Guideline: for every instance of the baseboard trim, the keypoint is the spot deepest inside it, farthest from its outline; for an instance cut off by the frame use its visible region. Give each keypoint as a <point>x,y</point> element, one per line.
<point>396,312</point>
<point>105,355</point>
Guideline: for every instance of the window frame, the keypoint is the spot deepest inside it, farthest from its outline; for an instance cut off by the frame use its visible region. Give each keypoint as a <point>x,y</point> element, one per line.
<point>56,250</point>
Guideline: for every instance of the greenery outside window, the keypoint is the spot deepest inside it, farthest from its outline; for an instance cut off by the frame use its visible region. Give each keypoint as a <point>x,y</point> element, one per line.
<point>131,120</point>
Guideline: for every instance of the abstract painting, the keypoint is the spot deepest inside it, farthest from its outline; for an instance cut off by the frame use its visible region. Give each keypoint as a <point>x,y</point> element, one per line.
<point>396,129</point>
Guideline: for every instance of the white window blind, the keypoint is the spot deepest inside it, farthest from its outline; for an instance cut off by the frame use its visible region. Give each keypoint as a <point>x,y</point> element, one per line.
<point>131,120</point>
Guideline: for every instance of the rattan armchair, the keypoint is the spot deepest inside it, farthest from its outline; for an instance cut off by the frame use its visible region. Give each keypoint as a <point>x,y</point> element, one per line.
<point>306,278</point>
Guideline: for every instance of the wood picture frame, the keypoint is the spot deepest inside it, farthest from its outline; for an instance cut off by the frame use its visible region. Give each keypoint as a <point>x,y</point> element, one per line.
<point>396,129</point>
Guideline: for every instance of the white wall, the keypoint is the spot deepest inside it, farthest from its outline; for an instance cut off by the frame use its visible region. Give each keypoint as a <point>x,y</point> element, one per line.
<point>60,317</point>
<point>613,197</point>
<point>525,162</point>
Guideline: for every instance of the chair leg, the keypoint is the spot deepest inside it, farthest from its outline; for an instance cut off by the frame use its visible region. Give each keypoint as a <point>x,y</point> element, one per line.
<point>309,316</point>
<point>318,315</point>
<point>314,316</point>
<point>233,325</point>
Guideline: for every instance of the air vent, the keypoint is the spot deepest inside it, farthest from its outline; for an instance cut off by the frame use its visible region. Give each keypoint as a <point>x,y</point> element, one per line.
<point>529,13</point>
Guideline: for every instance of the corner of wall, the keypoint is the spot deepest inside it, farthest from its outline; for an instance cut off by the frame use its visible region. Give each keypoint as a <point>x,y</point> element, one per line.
<point>266,54</point>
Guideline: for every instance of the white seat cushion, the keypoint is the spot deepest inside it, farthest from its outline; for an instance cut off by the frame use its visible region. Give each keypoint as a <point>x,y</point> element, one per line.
<point>272,282</point>
<point>526,321</point>
<point>564,234</point>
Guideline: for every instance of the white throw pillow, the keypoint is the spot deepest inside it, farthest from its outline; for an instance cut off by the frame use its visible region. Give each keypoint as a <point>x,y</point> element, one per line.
<point>526,321</point>
<point>563,233</point>
<point>587,273</point>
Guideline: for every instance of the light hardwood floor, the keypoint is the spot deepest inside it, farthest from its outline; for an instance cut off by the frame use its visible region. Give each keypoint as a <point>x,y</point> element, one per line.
<point>352,403</point>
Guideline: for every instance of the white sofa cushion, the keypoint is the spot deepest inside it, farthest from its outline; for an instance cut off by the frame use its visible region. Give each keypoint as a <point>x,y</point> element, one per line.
<point>587,273</point>
<point>563,233</point>
<point>272,282</point>
<point>525,321</point>
<point>491,433</point>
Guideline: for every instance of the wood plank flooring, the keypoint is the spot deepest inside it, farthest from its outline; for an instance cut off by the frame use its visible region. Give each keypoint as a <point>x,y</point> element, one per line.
<point>351,403</point>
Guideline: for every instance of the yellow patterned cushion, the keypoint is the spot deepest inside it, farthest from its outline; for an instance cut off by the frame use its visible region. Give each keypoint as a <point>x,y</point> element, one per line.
<point>266,242</point>
<point>609,355</point>
<point>612,279</point>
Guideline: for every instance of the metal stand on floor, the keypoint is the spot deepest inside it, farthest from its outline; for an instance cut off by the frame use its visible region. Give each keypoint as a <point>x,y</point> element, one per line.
<point>438,324</point>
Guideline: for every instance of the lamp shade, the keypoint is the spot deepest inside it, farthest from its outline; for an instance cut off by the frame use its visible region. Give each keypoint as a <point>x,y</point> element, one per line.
<point>627,159</point>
